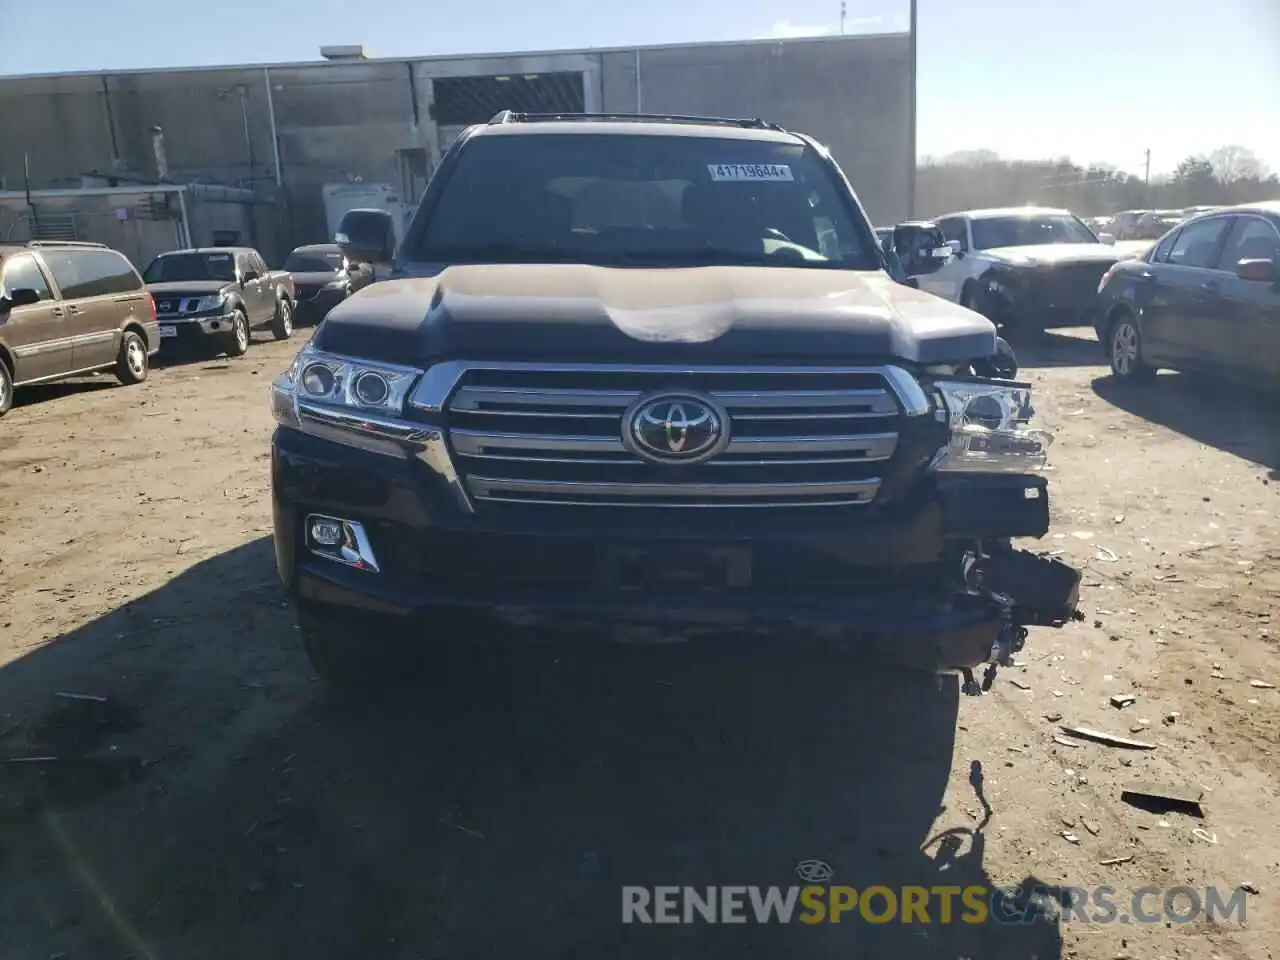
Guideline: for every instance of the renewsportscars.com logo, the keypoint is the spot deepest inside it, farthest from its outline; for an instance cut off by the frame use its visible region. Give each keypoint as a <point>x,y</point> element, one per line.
<point>818,903</point>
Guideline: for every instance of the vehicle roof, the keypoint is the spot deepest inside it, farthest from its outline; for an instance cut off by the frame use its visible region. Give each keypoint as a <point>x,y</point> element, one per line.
<point>316,248</point>
<point>635,128</point>
<point>170,253</point>
<point>1268,207</point>
<point>1006,212</point>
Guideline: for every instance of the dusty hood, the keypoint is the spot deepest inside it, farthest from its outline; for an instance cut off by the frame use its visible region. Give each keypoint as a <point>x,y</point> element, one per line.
<point>625,314</point>
<point>189,288</point>
<point>1055,253</point>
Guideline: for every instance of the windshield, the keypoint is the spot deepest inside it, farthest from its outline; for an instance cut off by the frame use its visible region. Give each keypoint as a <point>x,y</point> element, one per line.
<point>191,266</point>
<point>1015,231</point>
<point>313,263</point>
<point>620,200</point>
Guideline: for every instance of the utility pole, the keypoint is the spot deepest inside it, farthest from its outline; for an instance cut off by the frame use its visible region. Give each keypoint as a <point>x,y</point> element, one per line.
<point>911,117</point>
<point>843,10</point>
<point>1146,179</point>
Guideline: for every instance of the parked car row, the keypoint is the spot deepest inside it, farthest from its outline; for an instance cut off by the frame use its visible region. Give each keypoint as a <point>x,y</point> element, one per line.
<point>1203,296</point>
<point>74,308</point>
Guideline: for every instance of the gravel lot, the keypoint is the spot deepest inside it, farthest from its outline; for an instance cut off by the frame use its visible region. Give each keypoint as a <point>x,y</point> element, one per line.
<point>214,806</point>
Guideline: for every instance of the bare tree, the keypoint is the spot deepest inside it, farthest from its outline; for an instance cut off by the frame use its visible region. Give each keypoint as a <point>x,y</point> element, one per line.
<point>1234,162</point>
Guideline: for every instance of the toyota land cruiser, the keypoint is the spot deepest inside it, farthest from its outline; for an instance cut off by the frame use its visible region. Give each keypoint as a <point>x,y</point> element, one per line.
<point>652,370</point>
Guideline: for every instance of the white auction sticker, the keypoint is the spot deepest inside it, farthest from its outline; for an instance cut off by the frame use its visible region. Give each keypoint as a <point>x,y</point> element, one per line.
<point>778,172</point>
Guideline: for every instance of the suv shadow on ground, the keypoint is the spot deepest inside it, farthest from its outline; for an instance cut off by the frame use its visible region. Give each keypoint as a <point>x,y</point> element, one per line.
<point>213,805</point>
<point>1223,415</point>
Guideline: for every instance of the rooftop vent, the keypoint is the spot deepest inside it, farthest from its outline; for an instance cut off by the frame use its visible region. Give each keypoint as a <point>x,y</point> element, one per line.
<point>353,51</point>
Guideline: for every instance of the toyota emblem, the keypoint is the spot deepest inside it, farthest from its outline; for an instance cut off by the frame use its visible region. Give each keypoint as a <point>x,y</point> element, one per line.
<point>676,428</point>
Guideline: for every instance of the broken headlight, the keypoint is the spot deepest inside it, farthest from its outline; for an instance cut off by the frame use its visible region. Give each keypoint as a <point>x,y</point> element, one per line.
<point>990,428</point>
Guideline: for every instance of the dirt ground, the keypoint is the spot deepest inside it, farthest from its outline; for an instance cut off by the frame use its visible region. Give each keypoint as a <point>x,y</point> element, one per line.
<point>212,805</point>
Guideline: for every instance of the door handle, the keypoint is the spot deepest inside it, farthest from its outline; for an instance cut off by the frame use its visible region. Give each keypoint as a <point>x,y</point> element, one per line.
<point>1147,275</point>
<point>72,308</point>
<point>1211,286</point>
<point>56,311</point>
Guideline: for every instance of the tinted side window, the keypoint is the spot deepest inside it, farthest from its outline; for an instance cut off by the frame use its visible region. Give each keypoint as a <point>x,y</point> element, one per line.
<point>1198,244</point>
<point>1252,239</point>
<point>91,273</point>
<point>1161,253</point>
<point>953,229</point>
<point>23,273</point>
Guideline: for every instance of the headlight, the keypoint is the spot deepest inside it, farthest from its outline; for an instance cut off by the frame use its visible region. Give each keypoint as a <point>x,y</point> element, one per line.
<point>213,302</point>
<point>990,429</point>
<point>340,383</point>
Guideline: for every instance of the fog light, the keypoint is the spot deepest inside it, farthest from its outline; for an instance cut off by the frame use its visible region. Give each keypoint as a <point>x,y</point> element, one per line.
<point>343,541</point>
<point>326,532</point>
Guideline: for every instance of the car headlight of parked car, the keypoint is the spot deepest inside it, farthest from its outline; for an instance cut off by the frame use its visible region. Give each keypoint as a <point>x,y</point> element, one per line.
<point>990,428</point>
<point>214,301</point>
<point>341,390</point>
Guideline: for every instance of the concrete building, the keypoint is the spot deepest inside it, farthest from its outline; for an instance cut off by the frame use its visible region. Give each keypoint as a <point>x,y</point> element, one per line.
<point>285,131</point>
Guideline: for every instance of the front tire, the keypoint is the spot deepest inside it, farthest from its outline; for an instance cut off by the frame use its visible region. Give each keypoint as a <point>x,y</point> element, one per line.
<point>238,340</point>
<point>6,388</point>
<point>282,323</point>
<point>1125,350</point>
<point>131,364</point>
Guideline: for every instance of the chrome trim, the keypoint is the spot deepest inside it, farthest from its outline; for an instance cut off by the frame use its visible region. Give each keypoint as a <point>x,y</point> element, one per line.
<point>62,375</point>
<point>469,399</point>
<point>631,439</point>
<point>64,343</point>
<point>483,443</point>
<point>441,379</point>
<point>362,557</point>
<point>705,494</point>
<point>383,428</point>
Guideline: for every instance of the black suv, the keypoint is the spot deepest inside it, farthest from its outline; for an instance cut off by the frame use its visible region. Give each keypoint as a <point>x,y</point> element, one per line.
<point>652,370</point>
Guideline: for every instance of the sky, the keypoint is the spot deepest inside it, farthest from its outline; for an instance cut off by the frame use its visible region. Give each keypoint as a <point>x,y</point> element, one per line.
<point>1094,80</point>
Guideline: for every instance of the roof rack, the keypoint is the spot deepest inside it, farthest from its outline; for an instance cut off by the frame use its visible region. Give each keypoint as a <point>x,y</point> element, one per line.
<point>66,243</point>
<point>511,116</point>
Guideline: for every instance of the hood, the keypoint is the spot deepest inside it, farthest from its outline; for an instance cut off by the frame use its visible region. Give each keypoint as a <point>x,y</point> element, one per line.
<point>193,288</point>
<point>640,315</point>
<point>315,279</point>
<point>1050,253</point>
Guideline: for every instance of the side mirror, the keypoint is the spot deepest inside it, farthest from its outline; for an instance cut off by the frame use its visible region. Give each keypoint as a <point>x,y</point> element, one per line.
<point>22,297</point>
<point>249,277</point>
<point>1259,271</point>
<point>1108,238</point>
<point>954,247</point>
<point>941,253</point>
<point>366,236</point>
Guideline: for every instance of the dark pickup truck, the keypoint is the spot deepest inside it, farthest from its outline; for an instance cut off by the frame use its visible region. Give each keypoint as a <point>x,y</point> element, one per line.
<point>215,297</point>
<point>653,371</point>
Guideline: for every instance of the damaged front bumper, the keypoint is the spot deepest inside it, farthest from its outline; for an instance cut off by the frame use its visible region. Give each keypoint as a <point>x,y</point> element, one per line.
<point>929,581</point>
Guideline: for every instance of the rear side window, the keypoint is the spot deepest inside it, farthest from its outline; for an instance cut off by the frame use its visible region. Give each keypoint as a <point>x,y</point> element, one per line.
<point>1252,239</point>
<point>23,273</point>
<point>1198,243</point>
<point>91,273</point>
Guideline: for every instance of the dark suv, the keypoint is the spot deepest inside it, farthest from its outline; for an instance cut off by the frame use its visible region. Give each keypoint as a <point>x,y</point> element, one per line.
<point>652,370</point>
<point>71,308</point>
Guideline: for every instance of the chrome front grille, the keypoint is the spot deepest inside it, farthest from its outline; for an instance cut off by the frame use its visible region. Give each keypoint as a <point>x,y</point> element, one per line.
<point>552,434</point>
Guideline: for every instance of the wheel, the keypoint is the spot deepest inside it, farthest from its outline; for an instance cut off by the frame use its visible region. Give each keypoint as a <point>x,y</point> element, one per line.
<point>1124,347</point>
<point>131,365</point>
<point>6,388</point>
<point>238,340</point>
<point>282,323</point>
